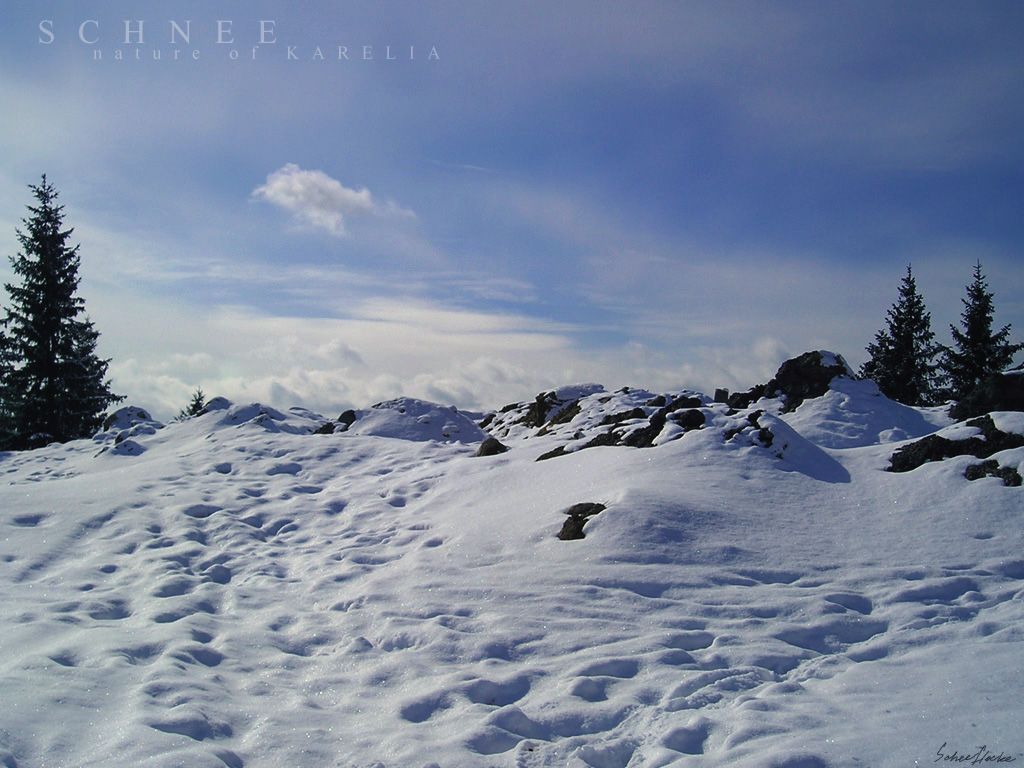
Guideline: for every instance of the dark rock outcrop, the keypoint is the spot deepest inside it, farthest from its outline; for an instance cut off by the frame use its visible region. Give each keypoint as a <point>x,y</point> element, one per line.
<point>348,418</point>
<point>607,438</point>
<point>578,514</point>
<point>690,419</point>
<point>642,435</point>
<point>491,447</point>
<point>990,468</point>
<point>538,411</point>
<point>645,436</point>
<point>564,416</point>
<point>618,418</point>
<point>798,379</point>
<point>937,447</point>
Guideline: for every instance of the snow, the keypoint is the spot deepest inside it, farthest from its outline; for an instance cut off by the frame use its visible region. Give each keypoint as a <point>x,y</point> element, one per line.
<point>406,418</point>
<point>236,590</point>
<point>1009,421</point>
<point>834,360</point>
<point>854,413</point>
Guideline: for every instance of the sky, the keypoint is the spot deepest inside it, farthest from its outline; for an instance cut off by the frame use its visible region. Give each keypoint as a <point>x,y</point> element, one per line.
<point>329,204</point>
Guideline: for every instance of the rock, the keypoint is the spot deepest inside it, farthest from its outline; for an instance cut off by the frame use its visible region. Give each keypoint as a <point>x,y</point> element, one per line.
<point>722,395</point>
<point>938,447</point>
<point>578,514</point>
<point>740,400</point>
<point>797,379</point>
<point>807,376</point>
<point>572,529</point>
<point>1009,475</point>
<point>348,418</point>
<point>552,454</point>
<point>684,401</point>
<point>326,429</point>
<point>128,417</point>
<point>564,416</point>
<point>618,418</point>
<point>537,413</point>
<point>999,392</point>
<point>607,438</point>
<point>491,447</point>
<point>691,419</point>
<point>645,436</point>
<point>930,448</point>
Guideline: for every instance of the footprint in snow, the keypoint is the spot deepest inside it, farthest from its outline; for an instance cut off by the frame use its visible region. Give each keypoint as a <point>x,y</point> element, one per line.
<point>109,610</point>
<point>174,587</point>
<point>692,640</point>
<point>28,521</point>
<point>689,739</point>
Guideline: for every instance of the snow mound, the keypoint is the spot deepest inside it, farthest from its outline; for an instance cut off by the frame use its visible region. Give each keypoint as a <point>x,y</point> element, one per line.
<point>854,414</point>
<point>220,412</point>
<point>407,418</point>
<point>124,427</point>
<point>1011,422</point>
<point>129,417</point>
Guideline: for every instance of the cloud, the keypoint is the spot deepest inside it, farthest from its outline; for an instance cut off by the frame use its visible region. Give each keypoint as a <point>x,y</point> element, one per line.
<point>316,200</point>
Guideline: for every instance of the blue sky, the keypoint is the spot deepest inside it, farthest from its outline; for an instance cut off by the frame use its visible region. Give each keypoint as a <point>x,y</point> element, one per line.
<point>657,194</point>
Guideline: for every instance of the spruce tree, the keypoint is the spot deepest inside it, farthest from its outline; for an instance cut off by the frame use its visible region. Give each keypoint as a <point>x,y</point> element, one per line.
<point>902,354</point>
<point>979,352</point>
<point>7,401</point>
<point>52,383</point>
<point>194,407</point>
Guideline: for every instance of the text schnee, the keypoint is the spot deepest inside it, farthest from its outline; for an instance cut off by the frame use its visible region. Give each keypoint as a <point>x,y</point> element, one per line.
<point>264,43</point>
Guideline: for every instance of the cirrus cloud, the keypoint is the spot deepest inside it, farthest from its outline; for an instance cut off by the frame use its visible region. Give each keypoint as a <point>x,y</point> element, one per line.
<point>319,201</point>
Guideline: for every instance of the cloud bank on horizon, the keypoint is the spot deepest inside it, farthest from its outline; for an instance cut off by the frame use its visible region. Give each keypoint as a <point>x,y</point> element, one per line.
<point>675,194</point>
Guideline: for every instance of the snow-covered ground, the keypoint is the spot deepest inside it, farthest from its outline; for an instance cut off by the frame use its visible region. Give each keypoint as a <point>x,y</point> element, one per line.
<point>234,590</point>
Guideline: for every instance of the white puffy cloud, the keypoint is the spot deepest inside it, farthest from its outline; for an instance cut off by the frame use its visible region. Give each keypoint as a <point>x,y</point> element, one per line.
<point>316,200</point>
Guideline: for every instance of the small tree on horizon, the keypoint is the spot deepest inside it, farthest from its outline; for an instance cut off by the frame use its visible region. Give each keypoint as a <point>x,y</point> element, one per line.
<point>979,352</point>
<point>52,384</point>
<point>194,407</point>
<point>902,355</point>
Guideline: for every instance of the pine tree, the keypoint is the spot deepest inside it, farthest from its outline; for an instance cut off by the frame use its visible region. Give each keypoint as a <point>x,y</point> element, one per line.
<point>194,407</point>
<point>51,381</point>
<point>979,352</point>
<point>902,355</point>
<point>7,428</point>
